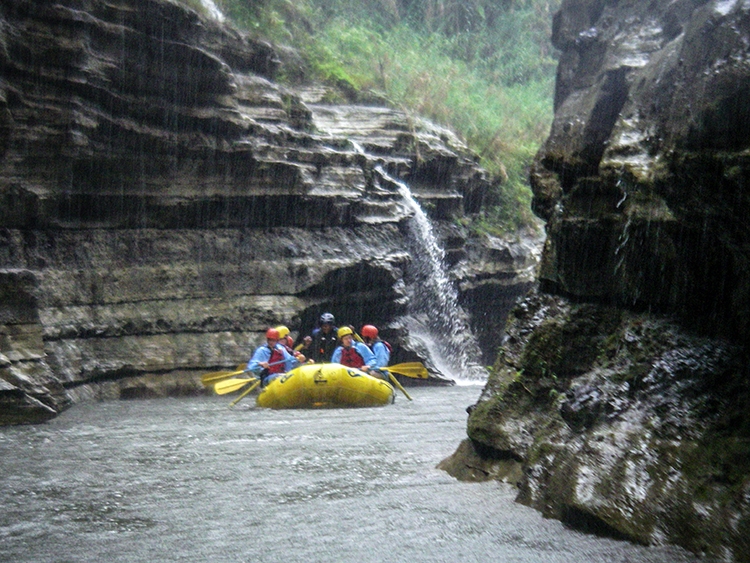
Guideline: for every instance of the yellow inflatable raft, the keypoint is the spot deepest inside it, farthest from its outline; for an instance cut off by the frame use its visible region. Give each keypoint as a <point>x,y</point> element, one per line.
<point>317,386</point>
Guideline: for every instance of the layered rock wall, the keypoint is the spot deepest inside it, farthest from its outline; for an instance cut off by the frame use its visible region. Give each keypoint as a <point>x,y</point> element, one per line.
<point>163,201</point>
<point>620,402</point>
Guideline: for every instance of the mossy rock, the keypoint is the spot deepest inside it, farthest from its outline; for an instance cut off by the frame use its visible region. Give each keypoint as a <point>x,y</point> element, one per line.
<point>569,346</point>
<point>485,424</point>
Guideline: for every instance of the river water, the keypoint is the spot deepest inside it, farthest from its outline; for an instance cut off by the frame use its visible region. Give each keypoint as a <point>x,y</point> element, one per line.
<point>194,480</point>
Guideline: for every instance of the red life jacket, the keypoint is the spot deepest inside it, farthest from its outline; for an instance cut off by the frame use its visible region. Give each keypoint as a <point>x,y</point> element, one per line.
<point>387,345</point>
<point>276,356</point>
<point>351,358</point>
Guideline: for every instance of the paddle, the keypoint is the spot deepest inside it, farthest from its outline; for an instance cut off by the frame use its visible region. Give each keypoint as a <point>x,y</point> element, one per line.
<point>396,383</point>
<point>237,400</point>
<point>415,370</point>
<point>210,378</point>
<point>232,385</point>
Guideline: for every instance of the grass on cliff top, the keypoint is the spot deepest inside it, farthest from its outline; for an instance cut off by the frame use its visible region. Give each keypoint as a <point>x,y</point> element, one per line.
<point>483,68</point>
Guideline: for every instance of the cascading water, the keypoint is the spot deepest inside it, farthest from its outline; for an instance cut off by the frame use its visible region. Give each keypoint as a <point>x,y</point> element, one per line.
<point>435,321</point>
<point>213,10</point>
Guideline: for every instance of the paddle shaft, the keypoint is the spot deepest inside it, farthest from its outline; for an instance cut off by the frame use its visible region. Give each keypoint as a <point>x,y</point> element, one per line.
<point>276,363</point>
<point>229,386</point>
<point>211,378</point>
<point>397,384</point>
<point>248,390</point>
<point>415,370</point>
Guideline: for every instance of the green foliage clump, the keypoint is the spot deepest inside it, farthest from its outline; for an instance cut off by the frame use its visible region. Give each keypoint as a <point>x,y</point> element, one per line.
<point>483,68</point>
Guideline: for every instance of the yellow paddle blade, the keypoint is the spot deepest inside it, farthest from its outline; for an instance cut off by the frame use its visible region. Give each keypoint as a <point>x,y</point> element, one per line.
<point>231,385</point>
<point>415,370</point>
<point>211,378</point>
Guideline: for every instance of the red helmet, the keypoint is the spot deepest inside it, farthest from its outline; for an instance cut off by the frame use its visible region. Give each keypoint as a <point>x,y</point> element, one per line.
<point>273,334</point>
<point>369,331</point>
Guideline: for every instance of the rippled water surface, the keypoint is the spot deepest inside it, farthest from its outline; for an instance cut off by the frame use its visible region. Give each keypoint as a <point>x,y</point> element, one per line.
<point>193,480</point>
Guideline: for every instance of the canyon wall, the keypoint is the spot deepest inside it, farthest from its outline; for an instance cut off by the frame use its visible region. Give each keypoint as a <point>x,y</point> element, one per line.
<point>163,201</point>
<point>620,401</point>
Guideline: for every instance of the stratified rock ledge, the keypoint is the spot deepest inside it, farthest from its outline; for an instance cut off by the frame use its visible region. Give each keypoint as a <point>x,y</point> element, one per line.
<point>163,201</point>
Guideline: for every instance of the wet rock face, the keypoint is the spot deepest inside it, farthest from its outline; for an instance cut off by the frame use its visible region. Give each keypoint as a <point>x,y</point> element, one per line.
<point>624,423</point>
<point>619,423</point>
<point>644,177</point>
<point>163,201</point>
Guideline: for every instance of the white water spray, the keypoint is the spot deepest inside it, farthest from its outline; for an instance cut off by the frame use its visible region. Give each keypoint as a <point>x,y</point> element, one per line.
<point>435,319</point>
<point>213,10</point>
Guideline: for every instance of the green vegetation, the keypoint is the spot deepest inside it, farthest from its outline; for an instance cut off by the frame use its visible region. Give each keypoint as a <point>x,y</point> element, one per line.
<point>483,68</point>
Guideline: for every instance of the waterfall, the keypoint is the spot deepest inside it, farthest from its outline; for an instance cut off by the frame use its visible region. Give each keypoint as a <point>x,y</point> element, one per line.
<point>435,321</point>
<point>213,10</point>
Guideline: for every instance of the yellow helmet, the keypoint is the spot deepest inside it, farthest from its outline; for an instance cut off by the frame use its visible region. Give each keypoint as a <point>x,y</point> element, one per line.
<point>344,331</point>
<point>283,331</point>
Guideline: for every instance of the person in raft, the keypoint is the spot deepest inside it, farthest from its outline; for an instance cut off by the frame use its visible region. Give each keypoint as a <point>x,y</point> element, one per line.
<point>287,342</point>
<point>284,337</point>
<point>380,348</point>
<point>353,354</point>
<point>323,342</point>
<point>272,359</point>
